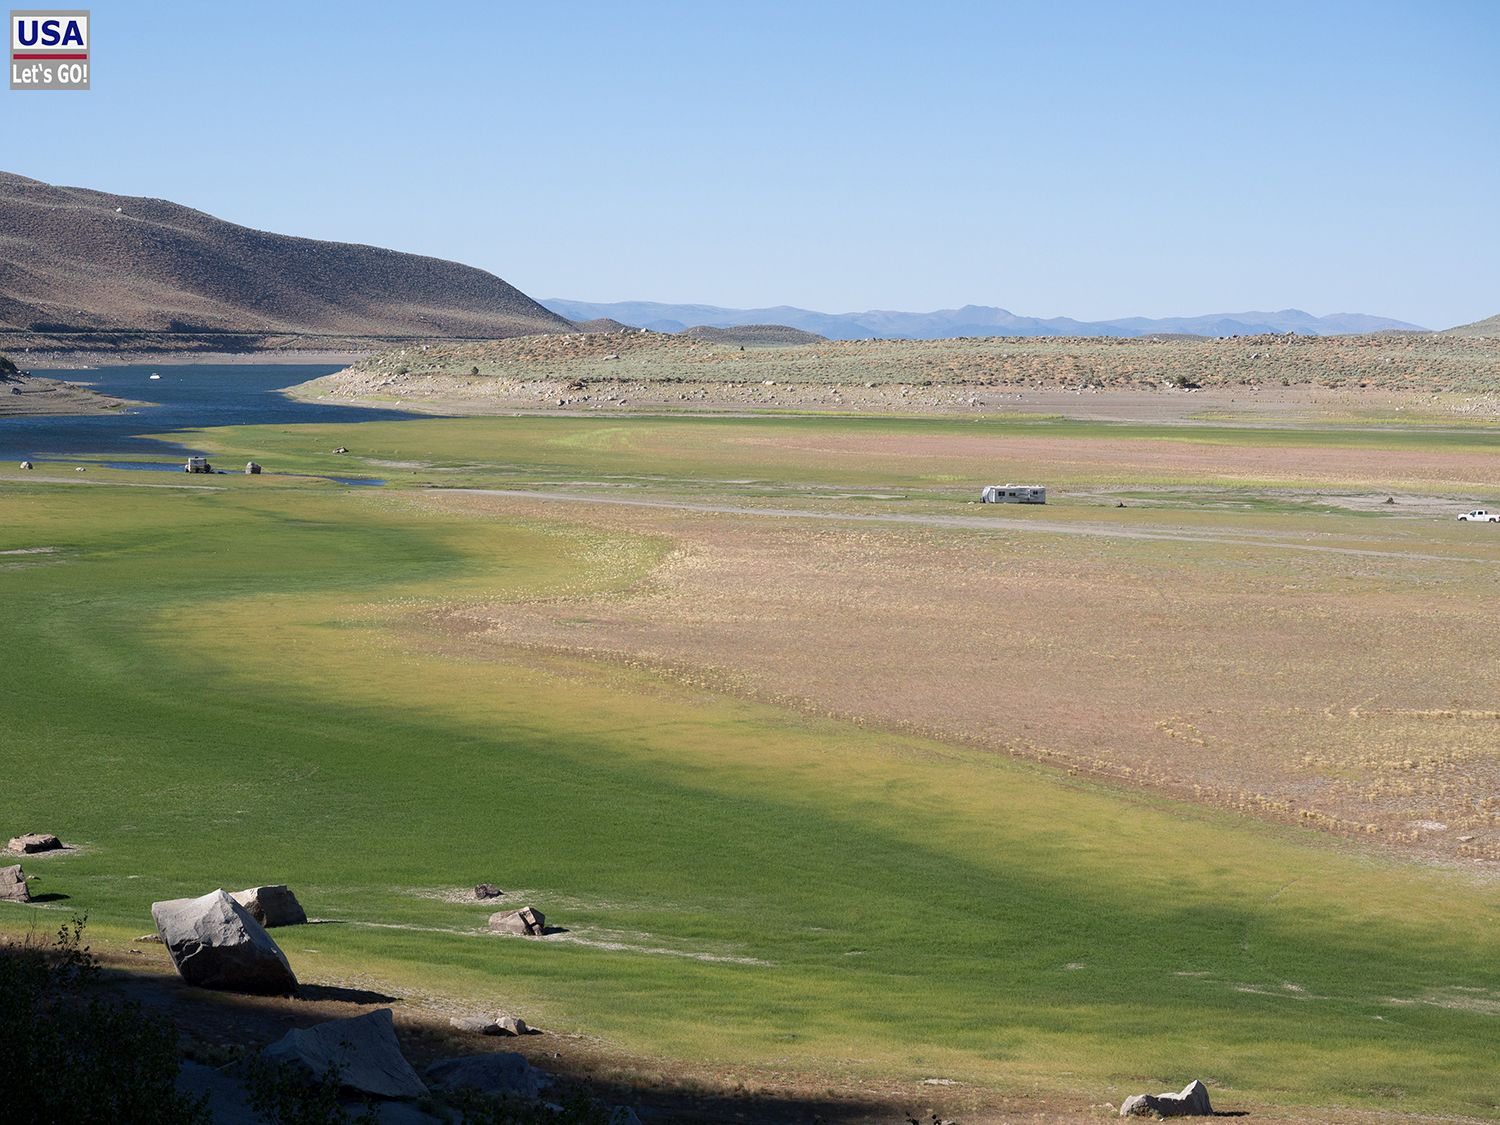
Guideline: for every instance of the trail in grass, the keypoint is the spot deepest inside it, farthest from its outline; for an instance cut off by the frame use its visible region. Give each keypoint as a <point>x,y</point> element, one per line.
<point>1269,540</point>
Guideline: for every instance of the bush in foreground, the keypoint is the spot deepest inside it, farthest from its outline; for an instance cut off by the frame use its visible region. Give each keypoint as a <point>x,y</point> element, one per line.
<point>74,1055</point>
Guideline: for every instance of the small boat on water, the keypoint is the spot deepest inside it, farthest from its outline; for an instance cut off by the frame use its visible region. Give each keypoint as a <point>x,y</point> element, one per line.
<point>154,375</point>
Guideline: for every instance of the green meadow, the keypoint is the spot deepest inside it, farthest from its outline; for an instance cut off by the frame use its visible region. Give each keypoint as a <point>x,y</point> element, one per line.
<point>233,682</point>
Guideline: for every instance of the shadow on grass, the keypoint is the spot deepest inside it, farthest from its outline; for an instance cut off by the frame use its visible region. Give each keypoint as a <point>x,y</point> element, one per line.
<point>218,1028</point>
<point>317,992</point>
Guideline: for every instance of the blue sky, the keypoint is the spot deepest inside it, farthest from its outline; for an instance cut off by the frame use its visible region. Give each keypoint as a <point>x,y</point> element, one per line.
<point>1083,159</point>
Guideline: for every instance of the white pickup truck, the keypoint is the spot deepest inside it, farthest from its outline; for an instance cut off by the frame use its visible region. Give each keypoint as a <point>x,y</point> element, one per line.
<point>1480,515</point>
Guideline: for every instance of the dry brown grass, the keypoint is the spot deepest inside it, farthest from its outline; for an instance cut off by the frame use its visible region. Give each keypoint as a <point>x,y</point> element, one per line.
<point>1354,695</point>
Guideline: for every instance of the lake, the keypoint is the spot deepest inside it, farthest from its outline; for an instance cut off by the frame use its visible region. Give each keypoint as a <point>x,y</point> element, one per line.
<point>186,397</point>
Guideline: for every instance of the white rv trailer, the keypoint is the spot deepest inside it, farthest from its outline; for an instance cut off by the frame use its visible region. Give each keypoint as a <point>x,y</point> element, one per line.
<point>1014,494</point>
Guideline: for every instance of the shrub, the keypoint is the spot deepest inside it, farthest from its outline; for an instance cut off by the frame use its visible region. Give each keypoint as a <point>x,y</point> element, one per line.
<point>74,1053</point>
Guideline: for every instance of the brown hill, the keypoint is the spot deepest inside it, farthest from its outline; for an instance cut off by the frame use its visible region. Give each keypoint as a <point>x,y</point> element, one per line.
<point>753,334</point>
<point>1490,326</point>
<point>73,259</point>
<point>603,324</point>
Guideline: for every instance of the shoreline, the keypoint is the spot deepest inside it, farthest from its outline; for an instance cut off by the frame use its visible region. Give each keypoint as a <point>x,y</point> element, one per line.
<point>87,359</point>
<point>28,396</point>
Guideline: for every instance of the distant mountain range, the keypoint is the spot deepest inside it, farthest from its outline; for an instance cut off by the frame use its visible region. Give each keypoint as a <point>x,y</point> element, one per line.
<point>971,320</point>
<point>75,260</point>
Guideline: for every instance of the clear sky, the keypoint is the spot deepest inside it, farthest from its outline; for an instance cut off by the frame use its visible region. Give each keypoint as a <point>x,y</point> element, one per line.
<point>1059,158</point>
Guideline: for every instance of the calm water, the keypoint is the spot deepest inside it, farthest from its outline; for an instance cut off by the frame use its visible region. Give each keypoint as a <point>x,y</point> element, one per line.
<point>186,397</point>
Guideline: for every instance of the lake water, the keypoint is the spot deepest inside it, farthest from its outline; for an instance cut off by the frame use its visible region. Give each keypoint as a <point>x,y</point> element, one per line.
<point>186,397</point>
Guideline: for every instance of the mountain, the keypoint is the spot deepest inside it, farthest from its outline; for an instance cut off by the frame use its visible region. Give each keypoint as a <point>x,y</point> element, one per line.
<point>1490,326</point>
<point>73,259</point>
<point>972,320</point>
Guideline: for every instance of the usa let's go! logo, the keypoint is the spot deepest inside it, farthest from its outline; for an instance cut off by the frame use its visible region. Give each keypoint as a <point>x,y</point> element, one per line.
<point>49,50</point>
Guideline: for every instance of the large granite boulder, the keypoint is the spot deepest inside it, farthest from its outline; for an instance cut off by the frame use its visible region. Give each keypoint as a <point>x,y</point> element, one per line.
<point>363,1049</point>
<point>1190,1101</point>
<point>34,842</point>
<point>13,884</point>
<point>271,906</point>
<point>526,921</point>
<point>502,1074</point>
<point>215,943</point>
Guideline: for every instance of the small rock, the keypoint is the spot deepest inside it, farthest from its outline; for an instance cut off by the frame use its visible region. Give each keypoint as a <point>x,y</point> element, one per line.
<point>34,842</point>
<point>487,890</point>
<point>526,921</point>
<point>153,939</point>
<point>13,884</point>
<point>363,1048</point>
<point>1191,1101</point>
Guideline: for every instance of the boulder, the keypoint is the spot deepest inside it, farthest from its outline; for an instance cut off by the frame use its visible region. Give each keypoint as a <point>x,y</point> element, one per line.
<point>271,906</point>
<point>34,842</point>
<point>487,890</point>
<point>252,469</point>
<point>363,1049</point>
<point>215,943</point>
<point>13,884</point>
<point>1191,1101</point>
<point>512,1025</point>
<point>502,1074</point>
<point>531,923</point>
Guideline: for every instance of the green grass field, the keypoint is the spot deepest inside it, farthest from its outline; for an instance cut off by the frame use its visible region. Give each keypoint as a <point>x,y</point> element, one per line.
<point>218,686</point>
<point>942,456</point>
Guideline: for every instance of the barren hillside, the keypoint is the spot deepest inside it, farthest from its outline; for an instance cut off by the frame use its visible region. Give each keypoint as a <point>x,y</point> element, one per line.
<point>73,259</point>
<point>601,371</point>
<point>1490,326</point>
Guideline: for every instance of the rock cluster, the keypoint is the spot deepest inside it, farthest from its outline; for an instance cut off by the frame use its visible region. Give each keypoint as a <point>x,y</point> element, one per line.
<point>214,942</point>
<point>34,842</point>
<point>1190,1101</point>
<point>494,1025</point>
